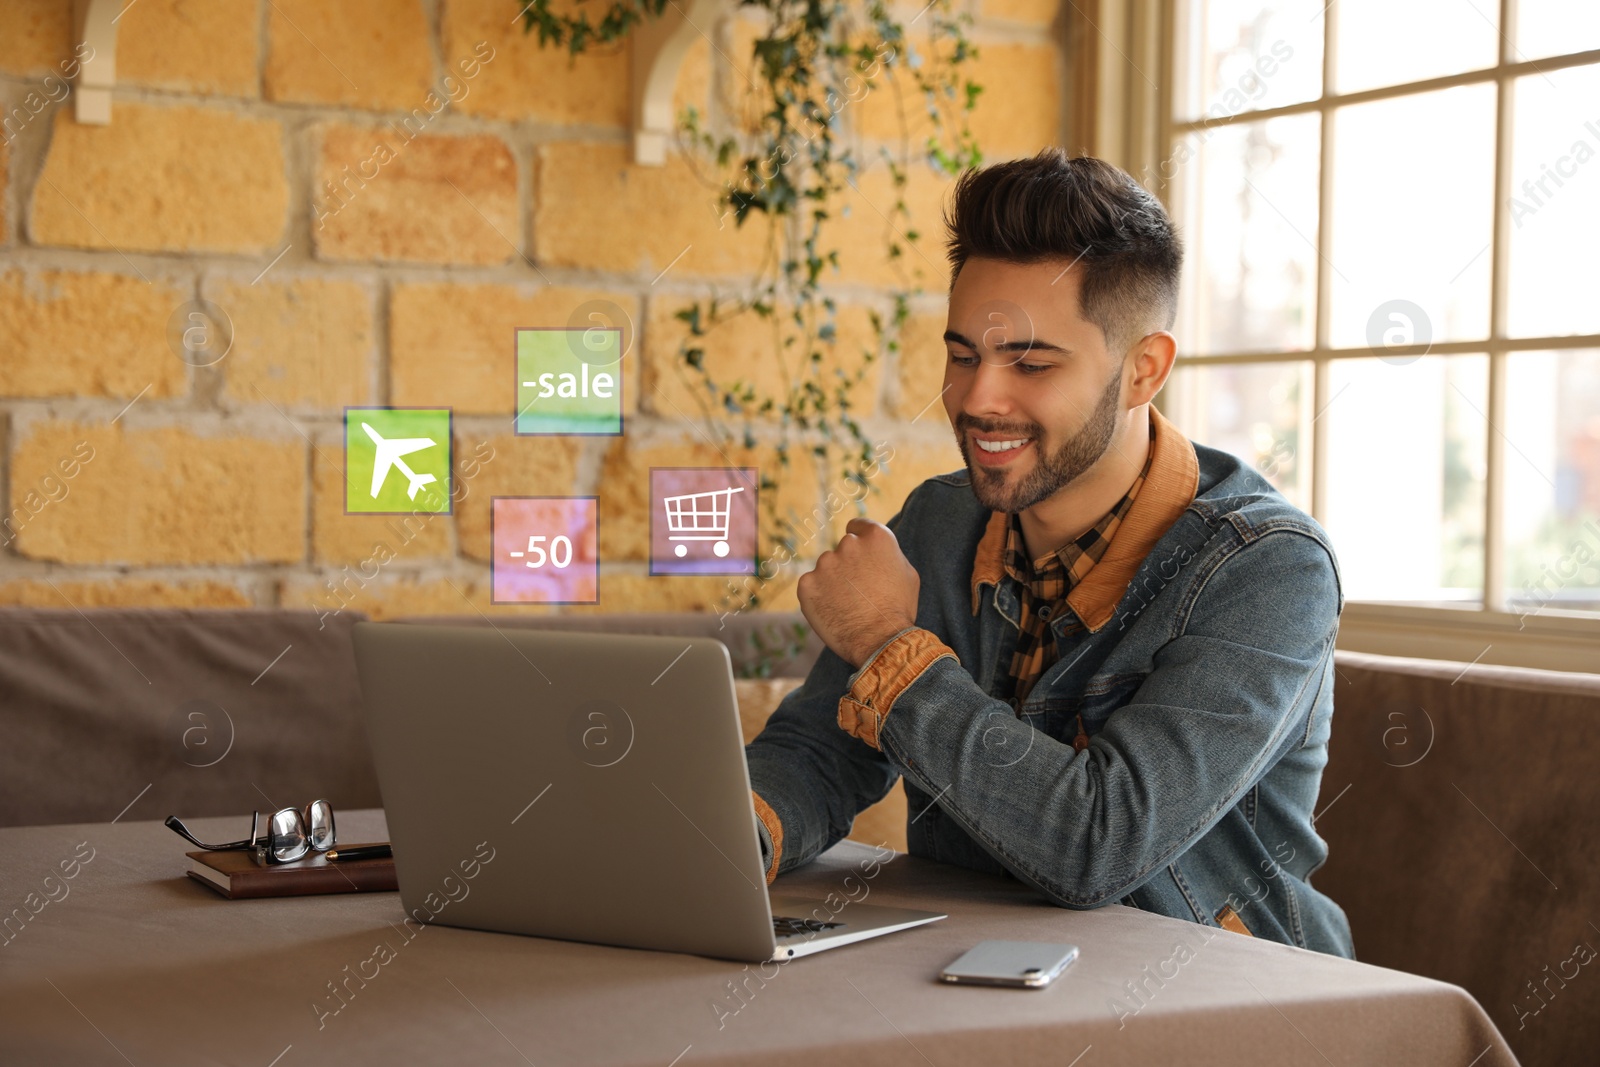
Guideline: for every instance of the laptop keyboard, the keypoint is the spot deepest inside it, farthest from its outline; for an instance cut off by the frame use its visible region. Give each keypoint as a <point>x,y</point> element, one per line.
<point>790,926</point>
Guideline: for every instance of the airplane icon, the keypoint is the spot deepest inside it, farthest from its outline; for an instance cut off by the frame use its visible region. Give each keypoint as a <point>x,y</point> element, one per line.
<point>389,453</point>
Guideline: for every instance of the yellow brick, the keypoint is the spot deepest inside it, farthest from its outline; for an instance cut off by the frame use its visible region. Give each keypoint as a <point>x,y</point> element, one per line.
<point>31,106</point>
<point>741,349</point>
<point>394,595</point>
<point>161,496</point>
<point>69,334</point>
<point>453,345</point>
<point>627,593</point>
<point>863,237</point>
<point>391,193</point>
<point>625,494</point>
<point>1027,12</point>
<point>340,538</point>
<point>776,593</point>
<point>35,35</point>
<point>1018,112</point>
<point>509,466</point>
<point>919,375</point>
<point>746,93</point>
<point>362,53</point>
<point>1011,73</point>
<point>524,81</point>
<point>855,339</point>
<point>911,464</point>
<point>297,342</point>
<point>693,88</point>
<point>747,348</point>
<point>203,46</point>
<point>594,208</point>
<point>123,593</point>
<point>779,594</point>
<point>163,179</point>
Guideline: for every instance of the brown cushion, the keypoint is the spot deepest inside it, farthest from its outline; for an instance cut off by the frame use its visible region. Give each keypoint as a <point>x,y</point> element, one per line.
<point>1458,805</point>
<point>180,710</point>
<point>96,707</point>
<point>761,644</point>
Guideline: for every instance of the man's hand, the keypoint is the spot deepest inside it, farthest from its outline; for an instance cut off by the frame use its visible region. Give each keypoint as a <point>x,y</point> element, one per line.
<point>861,593</point>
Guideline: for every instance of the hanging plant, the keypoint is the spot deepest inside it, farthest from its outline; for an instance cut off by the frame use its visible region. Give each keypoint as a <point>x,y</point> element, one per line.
<point>811,61</point>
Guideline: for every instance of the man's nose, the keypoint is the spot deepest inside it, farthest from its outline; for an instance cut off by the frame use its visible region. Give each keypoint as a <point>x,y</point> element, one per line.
<point>992,380</point>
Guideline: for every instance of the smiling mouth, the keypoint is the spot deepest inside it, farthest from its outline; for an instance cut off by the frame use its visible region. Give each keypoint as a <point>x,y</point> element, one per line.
<point>1001,446</point>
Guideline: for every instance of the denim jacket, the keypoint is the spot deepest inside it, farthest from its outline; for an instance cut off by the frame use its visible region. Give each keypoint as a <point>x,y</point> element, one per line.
<point>1199,653</point>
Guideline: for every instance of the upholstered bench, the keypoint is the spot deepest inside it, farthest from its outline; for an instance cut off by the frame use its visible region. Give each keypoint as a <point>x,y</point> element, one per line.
<point>1458,803</point>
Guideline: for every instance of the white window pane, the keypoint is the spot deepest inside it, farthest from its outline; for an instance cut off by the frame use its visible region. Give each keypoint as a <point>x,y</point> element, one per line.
<point>1552,494</point>
<point>1246,199</point>
<point>1260,412</point>
<point>1555,204</point>
<point>1407,462</point>
<point>1556,27</point>
<point>1412,213</point>
<point>1234,56</point>
<point>1384,42</point>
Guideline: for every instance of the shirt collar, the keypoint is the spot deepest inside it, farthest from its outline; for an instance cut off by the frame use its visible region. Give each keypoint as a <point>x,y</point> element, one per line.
<point>1073,560</point>
<point>1169,488</point>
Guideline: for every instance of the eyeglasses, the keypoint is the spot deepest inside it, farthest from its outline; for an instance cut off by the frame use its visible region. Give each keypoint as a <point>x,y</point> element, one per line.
<point>291,833</point>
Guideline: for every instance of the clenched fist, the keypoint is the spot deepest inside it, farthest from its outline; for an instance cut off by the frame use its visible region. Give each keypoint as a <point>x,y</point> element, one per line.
<point>861,593</point>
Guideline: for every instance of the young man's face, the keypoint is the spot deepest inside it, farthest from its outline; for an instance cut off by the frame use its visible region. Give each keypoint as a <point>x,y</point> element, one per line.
<point>1031,390</point>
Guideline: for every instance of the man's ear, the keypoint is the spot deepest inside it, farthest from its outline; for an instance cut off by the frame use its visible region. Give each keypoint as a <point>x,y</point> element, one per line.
<point>1152,357</point>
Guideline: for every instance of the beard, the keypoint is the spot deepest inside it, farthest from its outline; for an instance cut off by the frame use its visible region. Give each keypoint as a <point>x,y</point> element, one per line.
<point>1051,470</point>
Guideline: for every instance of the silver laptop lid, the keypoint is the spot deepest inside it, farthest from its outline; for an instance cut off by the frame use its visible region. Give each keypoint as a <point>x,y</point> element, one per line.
<point>591,787</point>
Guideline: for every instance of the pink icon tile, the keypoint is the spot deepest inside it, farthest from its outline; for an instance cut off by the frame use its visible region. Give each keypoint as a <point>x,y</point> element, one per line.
<point>546,550</point>
<point>703,520</point>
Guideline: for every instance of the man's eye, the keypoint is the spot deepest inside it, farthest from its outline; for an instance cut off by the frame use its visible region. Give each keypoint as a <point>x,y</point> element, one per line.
<point>963,361</point>
<point>1034,368</point>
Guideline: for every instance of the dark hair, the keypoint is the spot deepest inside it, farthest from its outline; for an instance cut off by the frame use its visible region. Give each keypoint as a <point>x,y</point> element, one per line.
<point>1053,206</point>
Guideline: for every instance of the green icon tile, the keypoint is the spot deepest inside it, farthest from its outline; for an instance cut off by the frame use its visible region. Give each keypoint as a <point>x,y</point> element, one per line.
<point>396,460</point>
<point>569,381</point>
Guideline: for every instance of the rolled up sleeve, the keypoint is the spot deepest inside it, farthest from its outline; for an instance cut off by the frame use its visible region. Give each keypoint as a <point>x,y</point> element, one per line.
<point>886,675</point>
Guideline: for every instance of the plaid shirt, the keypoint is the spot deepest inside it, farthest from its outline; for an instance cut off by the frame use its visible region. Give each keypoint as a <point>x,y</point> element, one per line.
<point>1045,583</point>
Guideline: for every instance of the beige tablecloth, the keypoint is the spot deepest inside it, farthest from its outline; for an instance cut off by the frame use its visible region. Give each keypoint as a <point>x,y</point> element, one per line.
<point>129,961</point>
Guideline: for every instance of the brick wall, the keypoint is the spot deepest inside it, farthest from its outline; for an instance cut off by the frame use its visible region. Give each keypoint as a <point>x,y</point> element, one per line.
<point>233,172</point>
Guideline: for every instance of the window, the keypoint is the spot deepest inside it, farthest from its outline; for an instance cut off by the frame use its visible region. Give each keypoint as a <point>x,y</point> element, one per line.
<point>1391,304</point>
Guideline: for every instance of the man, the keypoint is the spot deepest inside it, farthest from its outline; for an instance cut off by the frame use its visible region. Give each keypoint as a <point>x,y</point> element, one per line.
<point>1101,656</point>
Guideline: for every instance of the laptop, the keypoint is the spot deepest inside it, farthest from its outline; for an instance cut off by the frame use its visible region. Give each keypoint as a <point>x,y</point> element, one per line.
<point>583,786</point>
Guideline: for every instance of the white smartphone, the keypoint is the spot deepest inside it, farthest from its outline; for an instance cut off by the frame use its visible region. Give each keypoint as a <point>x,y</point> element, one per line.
<point>1021,964</point>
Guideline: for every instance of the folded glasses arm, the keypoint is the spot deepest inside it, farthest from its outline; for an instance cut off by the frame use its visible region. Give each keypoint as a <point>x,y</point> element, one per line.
<point>176,825</point>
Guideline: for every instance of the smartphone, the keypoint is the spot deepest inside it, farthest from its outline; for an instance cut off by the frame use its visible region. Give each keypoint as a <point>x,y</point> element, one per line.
<point>1021,964</point>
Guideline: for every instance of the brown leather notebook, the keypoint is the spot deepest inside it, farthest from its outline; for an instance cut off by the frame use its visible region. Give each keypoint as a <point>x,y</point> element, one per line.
<point>237,876</point>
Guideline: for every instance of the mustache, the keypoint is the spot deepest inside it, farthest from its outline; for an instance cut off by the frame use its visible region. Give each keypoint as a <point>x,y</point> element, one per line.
<point>967,422</point>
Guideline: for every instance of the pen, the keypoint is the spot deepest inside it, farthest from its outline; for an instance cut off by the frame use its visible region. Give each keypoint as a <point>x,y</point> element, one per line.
<point>361,852</point>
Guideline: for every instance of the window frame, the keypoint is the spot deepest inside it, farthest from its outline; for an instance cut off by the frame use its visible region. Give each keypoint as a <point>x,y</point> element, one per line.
<point>1133,123</point>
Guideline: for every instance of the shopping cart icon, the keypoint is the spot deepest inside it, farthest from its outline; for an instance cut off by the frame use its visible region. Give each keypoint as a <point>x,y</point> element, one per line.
<point>700,517</point>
